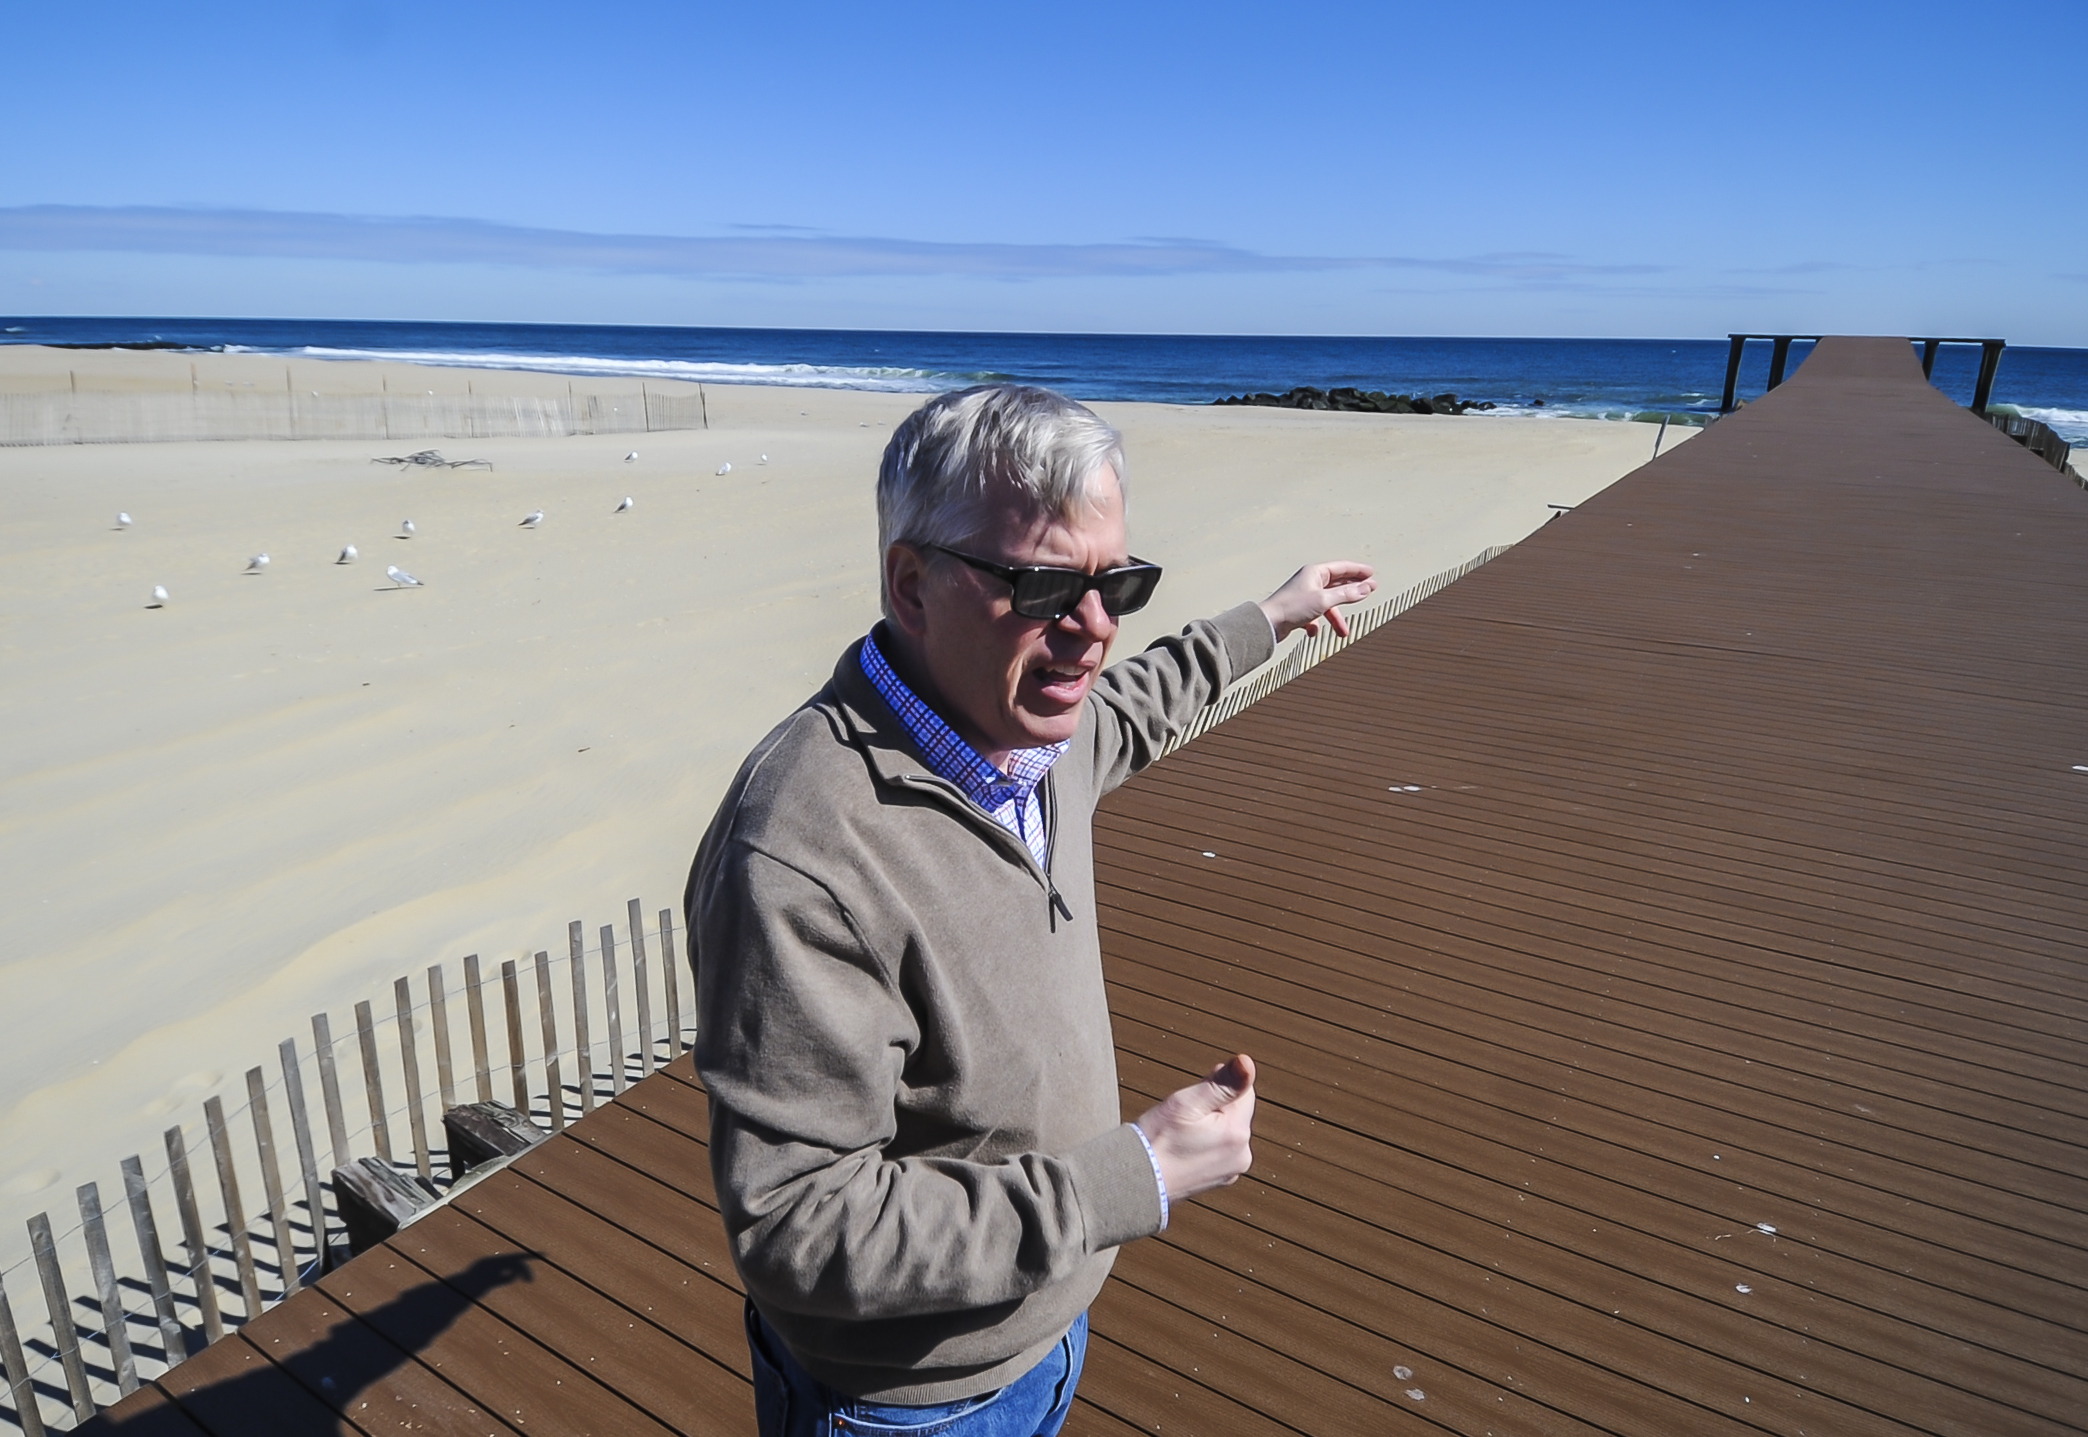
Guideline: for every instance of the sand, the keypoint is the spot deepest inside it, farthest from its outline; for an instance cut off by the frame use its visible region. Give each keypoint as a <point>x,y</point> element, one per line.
<point>279,792</point>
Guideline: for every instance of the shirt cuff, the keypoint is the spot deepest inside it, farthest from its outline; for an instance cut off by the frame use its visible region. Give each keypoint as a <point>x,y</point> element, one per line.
<point>1159,1178</point>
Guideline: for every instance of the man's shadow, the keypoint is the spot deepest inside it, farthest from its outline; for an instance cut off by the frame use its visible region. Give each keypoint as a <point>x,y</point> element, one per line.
<point>327,1377</point>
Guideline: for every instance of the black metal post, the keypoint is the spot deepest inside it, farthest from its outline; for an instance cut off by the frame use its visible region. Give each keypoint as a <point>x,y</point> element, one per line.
<point>1725,405</point>
<point>1779,352</point>
<point>1989,361</point>
<point>1928,357</point>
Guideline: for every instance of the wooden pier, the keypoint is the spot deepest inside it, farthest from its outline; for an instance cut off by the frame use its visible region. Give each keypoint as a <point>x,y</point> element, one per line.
<point>1666,951</point>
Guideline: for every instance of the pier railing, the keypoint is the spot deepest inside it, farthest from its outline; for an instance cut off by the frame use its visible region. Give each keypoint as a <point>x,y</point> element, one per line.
<point>1780,355</point>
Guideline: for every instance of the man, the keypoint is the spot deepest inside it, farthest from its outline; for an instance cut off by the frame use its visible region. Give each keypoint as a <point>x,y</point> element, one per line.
<point>914,1111</point>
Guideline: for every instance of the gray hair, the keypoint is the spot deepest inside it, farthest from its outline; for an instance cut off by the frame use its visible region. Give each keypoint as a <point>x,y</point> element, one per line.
<point>959,453</point>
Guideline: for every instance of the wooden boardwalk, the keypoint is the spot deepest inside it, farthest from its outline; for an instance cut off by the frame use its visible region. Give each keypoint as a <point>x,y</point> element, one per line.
<point>1666,951</point>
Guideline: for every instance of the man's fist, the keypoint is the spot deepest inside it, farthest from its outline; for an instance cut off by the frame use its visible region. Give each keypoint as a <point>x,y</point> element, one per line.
<point>1201,1134</point>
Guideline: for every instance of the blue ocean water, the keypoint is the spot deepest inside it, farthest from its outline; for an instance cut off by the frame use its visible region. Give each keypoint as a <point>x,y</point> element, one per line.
<point>1612,378</point>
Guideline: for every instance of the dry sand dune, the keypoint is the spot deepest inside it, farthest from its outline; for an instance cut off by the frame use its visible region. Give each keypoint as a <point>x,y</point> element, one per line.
<point>279,791</point>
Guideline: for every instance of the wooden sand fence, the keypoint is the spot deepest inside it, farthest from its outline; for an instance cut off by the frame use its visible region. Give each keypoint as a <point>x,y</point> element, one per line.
<point>100,417</point>
<point>243,1209</point>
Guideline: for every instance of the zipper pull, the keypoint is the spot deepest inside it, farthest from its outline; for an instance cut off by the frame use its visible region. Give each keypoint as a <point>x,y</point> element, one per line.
<point>1057,903</point>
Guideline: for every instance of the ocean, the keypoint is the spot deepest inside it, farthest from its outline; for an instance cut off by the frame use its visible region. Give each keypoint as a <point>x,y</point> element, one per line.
<point>1606,378</point>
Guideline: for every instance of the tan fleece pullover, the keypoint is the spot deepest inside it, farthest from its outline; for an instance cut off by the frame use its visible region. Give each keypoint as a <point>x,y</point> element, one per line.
<point>915,1127</point>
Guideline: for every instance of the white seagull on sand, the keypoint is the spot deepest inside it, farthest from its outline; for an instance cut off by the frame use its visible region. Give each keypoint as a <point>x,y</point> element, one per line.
<point>348,555</point>
<point>400,577</point>
<point>256,564</point>
<point>405,528</point>
<point>123,521</point>
<point>632,457</point>
<point>159,597</point>
<point>724,468</point>
<point>536,517</point>
<point>628,503</point>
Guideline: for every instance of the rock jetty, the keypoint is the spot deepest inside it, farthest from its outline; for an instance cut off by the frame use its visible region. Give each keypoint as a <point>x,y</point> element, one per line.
<point>1359,401</point>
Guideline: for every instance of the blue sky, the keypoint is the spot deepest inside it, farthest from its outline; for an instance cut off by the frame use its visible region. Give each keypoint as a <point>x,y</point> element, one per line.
<point>1488,169</point>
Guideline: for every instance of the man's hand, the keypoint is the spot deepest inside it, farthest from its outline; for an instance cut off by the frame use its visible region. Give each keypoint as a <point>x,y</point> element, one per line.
<point>1311,596</point>
<point>1200,1134</point>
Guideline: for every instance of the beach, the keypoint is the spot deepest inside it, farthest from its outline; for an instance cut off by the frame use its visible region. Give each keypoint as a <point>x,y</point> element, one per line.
<point>281,790</point>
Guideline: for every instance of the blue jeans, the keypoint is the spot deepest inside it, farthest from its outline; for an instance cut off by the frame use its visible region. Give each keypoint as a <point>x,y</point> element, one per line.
<point>791,1402</point>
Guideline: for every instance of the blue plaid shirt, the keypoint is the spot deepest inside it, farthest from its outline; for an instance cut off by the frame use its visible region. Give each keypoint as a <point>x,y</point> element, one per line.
<point>1010,798</point>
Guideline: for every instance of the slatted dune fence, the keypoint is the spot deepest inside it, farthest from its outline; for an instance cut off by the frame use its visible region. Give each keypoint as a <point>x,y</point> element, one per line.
<point>94,417</point>
<point>172,1250</point>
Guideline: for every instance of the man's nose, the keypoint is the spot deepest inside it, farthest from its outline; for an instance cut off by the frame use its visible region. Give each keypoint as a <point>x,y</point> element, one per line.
<point>1090,620</point>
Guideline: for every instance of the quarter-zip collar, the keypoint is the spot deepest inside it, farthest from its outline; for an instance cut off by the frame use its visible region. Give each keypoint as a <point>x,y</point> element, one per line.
<point>878,733</point>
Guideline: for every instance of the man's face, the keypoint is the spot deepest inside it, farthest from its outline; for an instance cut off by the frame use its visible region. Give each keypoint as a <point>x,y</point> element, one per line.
<point>1003,681</point>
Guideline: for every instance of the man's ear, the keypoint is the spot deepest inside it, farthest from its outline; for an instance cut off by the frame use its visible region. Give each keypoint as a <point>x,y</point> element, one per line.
<point>905,576</point>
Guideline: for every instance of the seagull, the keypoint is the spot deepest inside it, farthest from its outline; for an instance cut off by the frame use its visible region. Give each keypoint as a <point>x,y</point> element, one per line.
<point>400,577</point>
<point>628,503</point>
<point>724,468</point>
<point>405,528</point>
<point>123,521</point>
<point>536,517</point>
<point>159,597</point>
<point>256,564</point>
<point>348,555</point>
<point>632,457</point>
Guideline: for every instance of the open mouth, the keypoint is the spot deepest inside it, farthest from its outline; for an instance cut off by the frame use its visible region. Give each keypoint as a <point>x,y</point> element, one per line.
<point>1066,684</point>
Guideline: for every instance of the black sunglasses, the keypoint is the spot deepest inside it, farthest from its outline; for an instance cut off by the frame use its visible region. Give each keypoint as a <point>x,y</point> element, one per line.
<point>1045,593</point>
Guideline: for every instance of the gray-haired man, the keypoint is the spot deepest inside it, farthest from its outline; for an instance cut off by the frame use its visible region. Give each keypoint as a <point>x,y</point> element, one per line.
<point>914,1112</point>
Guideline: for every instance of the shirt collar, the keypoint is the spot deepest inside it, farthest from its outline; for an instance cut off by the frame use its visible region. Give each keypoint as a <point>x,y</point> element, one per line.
<point>948,756</point>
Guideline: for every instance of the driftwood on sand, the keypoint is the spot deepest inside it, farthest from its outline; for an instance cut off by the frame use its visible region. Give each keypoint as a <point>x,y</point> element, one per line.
<point>432,459</point>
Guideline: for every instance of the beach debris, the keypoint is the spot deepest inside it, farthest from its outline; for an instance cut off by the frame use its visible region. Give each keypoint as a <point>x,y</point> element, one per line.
<point>348,555</point>
<point>632,457</point>
<point>724,468</point>
<point>400,577</point>
<point>1402,1372</point>
<point>159,597</point>
<point>123,521</point>
<point>764,458</point>
<point>432,459</point>
<point>257,564</point>
<point>628,504</point>
<point>534,518</point>
<point>405,528</point>
<point>1415,1394</point>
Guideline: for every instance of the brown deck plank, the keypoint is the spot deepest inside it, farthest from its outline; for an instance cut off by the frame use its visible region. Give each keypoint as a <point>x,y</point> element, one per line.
<point>640,1357</point>
<point>2015,1159</point>
<point>147,1412</point>
<point>1634,1018</point>
<point>523,1382</point>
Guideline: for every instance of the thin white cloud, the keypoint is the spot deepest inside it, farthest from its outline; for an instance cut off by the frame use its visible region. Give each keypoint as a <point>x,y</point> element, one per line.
<point>767,252</point>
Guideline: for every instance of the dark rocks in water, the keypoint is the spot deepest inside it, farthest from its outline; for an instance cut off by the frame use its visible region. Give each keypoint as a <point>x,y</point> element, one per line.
<point>137,344</point>
<point>1350,400</point>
